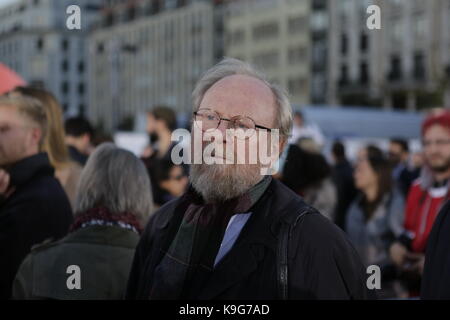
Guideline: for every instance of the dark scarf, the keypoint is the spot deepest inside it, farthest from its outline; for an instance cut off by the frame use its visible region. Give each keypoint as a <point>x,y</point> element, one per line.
<point>189,260</point>
<point>102,216</point>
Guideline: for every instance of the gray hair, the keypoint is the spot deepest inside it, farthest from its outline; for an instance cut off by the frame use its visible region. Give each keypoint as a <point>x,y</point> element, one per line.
<point>117,180</point>
<point>230,66</point>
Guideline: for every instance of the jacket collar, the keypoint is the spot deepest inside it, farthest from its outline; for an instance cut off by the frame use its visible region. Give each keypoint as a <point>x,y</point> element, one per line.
<point>26,169</point>
<point>104,235</point>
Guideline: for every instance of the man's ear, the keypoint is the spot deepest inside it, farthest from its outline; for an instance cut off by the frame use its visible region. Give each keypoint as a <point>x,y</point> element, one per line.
<point>283,142</point>
<point>37,137</point>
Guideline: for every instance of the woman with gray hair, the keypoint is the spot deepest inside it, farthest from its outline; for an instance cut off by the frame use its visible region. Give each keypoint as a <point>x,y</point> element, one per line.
<point>93,262</point>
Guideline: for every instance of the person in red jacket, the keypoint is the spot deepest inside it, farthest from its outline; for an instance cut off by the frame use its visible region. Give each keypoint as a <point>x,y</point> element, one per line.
<point>425,198</point>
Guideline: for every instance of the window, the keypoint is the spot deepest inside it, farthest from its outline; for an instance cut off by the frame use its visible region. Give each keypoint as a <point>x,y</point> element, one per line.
<point>100,47</point>
<point>81,66</point>
<point>296,85</point>
<point>397,29</point>
<point>265,30</point>
<point>237,37</point>
<point>420,26</point>
<point>64,44</point>
<point>363,73</point>
<point>297,55</point>
<point>267,60</point>
<point>65,87</point>
<point>65,66</point>
<point>40,44</point>
<point>299,24</point>
<point>131,13</point>
<point>319,55</point>
<point>319,21</point>
<point>395,68</point>
<point>81,88</point>
<point>344,75</point>
<point>344,44</point>
<point>419,66</point>
<point>364,42</point>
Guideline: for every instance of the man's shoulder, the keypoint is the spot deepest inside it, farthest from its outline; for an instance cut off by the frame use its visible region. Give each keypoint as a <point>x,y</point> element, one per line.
<point>319,233</point>
<point>41,195</point>
<point>42,189</point>
<point>161,217</point>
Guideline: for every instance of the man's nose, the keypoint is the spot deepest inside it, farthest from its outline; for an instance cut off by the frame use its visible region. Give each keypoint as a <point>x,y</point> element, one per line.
<point>223,127</point>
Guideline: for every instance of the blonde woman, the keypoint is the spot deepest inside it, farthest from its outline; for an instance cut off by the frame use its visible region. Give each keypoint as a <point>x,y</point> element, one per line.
<point>66,171</point>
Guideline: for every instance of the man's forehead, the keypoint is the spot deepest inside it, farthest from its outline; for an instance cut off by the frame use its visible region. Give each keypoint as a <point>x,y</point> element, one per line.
<point>240,93</point>
<point>10,113</point>
<point>239,83</point>
<point>437,129</point>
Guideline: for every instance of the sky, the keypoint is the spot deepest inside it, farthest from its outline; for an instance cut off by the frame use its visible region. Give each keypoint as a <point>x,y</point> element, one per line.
<point>5,2</point>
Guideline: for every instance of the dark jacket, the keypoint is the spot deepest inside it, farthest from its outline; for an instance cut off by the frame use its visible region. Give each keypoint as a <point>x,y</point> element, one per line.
<point>103,254</point>
<point>38,209</point>
<point>436,274</point>
<point>322,262</point>
<point>77,156</point>
<point>346,191</point>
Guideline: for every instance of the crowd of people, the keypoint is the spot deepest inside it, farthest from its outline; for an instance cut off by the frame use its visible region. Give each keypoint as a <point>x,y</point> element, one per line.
<point>148,228</point>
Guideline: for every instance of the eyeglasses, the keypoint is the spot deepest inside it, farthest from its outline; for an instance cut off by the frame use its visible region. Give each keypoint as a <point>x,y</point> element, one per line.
<point>211,120</point>
<point>438,142</point>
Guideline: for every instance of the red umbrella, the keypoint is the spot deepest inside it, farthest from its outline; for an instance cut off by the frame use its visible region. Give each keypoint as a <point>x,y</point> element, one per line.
<point>9,79</point>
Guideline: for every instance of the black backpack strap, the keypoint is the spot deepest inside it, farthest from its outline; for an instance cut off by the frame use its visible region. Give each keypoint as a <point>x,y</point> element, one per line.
<point>295,211</point>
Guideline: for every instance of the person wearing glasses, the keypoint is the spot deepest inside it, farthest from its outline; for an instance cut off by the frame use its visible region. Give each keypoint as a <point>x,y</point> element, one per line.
<point>235,233</point>
<point>426,197</point>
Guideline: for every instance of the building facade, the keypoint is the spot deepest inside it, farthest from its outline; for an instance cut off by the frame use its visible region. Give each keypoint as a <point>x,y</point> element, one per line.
<point>147,54</point>
<point>274,35</point>
<point>36,43</point>
<point>403,65</point>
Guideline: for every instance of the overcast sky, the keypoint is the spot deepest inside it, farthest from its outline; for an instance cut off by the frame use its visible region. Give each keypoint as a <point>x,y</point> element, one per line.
<point>4,2</point>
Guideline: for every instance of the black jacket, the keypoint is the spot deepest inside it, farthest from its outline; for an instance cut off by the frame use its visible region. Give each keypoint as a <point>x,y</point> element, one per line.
<point>436,274</point>
<point>37,210</point>
<point>77,156</point>
<point>346,191</point>
<point>322,262</point>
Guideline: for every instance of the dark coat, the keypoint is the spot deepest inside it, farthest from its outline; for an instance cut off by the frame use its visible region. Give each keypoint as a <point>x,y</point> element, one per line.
<point>37,210</point>
<point>77,156</point>
<point>346,191</point>
<point>103,253</point>
<point>436,274</point>
<point>323,264</point>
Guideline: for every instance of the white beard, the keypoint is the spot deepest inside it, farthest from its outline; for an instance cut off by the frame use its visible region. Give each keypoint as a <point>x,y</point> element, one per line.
<point>221,182</point>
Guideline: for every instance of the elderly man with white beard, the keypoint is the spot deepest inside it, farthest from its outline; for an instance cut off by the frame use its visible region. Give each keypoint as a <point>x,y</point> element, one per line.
<point>238,234</point>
